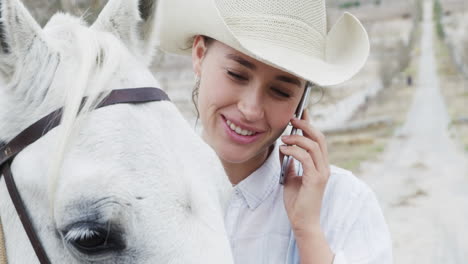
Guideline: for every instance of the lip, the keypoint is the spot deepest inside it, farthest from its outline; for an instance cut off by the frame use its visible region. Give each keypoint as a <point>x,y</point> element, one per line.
<point>246,127</point>
<point>240,138</point>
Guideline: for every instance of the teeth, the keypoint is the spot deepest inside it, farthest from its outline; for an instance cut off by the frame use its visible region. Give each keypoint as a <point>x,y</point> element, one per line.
<point>239,130</point>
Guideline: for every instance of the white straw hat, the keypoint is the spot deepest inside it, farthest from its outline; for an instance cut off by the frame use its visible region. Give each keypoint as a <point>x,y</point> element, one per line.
<point>290,35</point>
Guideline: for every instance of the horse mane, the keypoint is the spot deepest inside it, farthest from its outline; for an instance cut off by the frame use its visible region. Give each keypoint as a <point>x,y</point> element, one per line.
<point>34,91</point>
<point>99,58</point>
<point>36,81</point>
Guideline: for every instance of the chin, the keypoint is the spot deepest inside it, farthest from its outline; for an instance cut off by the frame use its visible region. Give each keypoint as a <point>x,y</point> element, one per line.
<point>233,156</point>
<point>241,154</point>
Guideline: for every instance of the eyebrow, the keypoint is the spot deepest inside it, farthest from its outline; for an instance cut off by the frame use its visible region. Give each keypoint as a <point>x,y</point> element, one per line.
<point>242,61</point>
<point>252,66</point>
<point>289,80</point>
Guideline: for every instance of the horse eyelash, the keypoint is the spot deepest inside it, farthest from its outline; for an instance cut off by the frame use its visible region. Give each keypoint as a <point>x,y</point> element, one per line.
<point>79,233</point>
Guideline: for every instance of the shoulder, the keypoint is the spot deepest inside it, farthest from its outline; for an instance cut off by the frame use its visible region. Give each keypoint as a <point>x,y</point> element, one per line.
<point>345,197</point>
<point>346,183</point>
<point>343,183</point>
<point>352,221</point>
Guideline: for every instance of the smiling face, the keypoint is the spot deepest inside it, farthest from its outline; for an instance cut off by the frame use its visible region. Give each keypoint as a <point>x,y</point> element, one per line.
<point>244,104</point>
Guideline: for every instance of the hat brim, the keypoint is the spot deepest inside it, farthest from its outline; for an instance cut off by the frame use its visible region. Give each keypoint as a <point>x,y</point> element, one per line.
<point>346,48</point>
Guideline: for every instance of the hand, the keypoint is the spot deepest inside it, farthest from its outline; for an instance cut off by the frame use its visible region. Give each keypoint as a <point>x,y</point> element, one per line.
<point>303,195</point>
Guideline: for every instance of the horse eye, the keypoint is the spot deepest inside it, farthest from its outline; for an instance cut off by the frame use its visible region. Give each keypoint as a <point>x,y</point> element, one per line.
<point>91,242</point>
<point>90,238</point>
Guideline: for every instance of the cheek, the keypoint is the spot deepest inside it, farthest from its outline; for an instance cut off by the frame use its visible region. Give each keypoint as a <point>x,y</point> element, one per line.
<point>279,116</point>
<point>214,93</point>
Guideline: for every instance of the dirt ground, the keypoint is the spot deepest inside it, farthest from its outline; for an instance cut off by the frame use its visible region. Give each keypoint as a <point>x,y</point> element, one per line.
<point>349,148</point>
<point>455,92</point>
<point>385,112</point>
<point>415,165</point>
<point>388,111</point>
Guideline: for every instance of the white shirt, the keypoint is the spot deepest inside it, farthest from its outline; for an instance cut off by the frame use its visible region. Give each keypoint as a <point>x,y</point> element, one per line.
<point>260,232</point>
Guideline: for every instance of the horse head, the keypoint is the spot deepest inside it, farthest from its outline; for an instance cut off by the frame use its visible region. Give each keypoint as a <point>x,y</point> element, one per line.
<point>121,184</point>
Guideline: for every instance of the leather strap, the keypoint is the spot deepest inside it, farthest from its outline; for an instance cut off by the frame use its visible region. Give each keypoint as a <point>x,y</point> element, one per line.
<point>47,123</point>
<point>40,128</point>
<point>3,256</point>
<point>23,215</point>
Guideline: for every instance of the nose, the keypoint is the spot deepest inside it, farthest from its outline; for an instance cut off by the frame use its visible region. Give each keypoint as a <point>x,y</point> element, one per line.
<point>251,106</point>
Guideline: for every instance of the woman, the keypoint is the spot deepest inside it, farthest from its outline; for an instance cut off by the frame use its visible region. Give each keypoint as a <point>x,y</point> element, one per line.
<point>253,60</point>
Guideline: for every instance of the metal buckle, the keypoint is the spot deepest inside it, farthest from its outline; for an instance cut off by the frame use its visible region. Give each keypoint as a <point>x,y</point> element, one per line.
<point>7,152</point>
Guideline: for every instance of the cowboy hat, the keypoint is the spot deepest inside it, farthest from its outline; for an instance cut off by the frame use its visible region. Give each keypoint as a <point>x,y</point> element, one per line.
<point>290,35</point>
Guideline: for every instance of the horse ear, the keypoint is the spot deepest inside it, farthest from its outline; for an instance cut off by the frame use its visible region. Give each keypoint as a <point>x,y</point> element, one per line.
<point>133,21</point>
<point>18,30</point>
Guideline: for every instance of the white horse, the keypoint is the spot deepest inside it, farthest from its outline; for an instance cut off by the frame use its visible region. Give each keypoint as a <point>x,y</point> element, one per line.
<point>121,184</point>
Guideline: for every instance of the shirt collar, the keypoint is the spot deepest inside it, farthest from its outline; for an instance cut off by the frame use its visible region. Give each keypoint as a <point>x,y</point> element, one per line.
<point>258,185</point>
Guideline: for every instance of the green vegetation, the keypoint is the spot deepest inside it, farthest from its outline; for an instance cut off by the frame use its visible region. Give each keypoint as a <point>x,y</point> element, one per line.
<point>438,14</point>
<point>454,92</point>
<point>379,148</point>
<point>349,150</point>
<point>350,4</point>
<point>419,10</point>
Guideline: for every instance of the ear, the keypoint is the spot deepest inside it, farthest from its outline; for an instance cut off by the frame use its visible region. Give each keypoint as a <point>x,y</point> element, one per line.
<point>198,53</point>
<point>18,31</point>
<point>133,22</point>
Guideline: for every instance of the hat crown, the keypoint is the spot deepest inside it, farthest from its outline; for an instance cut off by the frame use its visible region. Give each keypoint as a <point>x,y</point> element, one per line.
<point>296,24</point>
<point>290,35</point>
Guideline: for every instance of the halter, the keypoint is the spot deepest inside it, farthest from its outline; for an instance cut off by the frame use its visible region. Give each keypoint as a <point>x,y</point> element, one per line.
<point>28,136</point>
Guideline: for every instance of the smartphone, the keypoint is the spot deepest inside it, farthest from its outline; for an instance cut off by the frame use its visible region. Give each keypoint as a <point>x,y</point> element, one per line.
<point>300,109</point>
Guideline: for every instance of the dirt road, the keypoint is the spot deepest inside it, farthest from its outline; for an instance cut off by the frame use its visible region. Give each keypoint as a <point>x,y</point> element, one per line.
<point>422,177</point>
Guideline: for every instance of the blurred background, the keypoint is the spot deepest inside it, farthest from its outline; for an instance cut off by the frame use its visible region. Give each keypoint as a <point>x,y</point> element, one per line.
<point>401,124</point>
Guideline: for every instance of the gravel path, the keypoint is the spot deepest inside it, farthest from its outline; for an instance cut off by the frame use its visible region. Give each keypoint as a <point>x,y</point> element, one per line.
<point>422,177</point>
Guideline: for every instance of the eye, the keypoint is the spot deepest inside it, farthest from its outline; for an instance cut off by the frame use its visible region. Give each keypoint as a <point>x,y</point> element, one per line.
<point>93,238</point>
<point>280,93</point>
<point>237,76</point>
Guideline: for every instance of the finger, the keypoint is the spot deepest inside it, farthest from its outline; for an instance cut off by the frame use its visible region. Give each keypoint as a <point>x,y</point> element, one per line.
<point>302,156</point>
<point>305,115</point>
<point>290,170</point>
<point>291,163</point>
<point>313,133</point>
<point>312,148</point>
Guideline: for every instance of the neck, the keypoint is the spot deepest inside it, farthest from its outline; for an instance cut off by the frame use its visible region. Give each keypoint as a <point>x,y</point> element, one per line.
<point>237,172</point>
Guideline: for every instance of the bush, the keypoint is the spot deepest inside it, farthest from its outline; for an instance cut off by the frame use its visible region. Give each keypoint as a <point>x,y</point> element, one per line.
<point>350,4</point>
<point>438,13</point>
